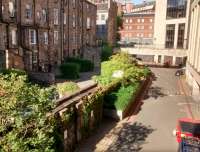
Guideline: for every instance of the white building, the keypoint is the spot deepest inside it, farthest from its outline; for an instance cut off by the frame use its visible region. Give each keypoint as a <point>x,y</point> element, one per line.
<point>193,63</point>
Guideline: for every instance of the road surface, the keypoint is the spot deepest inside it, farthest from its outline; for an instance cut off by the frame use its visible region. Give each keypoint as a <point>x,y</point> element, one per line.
<point>151,129</point>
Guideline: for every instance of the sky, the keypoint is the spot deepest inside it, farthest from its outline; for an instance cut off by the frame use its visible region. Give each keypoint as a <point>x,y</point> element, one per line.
<point>138,1</point>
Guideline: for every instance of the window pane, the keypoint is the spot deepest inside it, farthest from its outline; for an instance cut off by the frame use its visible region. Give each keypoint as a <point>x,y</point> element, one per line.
<point>170,31</point>
<point>2,59</point>
<point>181,31</point>
<point>176,8</point>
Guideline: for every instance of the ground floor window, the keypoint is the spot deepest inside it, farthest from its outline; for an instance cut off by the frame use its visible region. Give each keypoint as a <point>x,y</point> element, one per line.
<point>28,61</point>
<point>2,59</point>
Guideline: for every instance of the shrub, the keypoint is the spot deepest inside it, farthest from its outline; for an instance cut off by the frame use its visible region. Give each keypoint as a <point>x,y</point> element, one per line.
<point>120,62</point>
<point>121,98</point>
<point>67,88</point>
<point>106,52</point>
<point>24,125</point>
<point>12,71</point>
<point>85,65</point>
<point>70,70</point>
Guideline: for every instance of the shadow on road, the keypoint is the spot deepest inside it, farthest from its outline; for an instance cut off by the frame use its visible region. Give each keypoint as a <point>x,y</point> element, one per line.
<point>155,92</point>
<point>130,138</point>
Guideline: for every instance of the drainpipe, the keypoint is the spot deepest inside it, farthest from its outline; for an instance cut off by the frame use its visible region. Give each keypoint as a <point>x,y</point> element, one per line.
<point>62,29</point>
<point>82,34</point>
<point>68,28</point>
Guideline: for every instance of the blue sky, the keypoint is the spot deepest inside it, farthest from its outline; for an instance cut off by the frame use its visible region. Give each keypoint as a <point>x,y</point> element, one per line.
<point>137,1</point>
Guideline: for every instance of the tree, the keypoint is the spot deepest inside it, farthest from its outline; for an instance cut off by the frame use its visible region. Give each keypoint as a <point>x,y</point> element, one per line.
<point>24,125</point>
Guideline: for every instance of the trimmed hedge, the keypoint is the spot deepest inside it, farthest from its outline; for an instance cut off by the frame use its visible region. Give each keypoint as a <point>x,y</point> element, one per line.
<point>106,52</point>
<point>12,71</point>
<point>70,70</point>
<point>85,65</point>
<point>121,98</point>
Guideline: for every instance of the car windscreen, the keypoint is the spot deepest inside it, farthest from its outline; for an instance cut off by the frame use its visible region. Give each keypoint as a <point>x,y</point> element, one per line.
<point>193,128</point>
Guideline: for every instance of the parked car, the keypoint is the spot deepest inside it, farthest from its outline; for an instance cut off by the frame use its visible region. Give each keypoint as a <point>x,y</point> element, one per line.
<point>188,135</point>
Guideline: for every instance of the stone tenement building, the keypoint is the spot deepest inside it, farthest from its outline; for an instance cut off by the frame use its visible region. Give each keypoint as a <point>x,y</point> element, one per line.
<point>38,33</point>
<point>138,25</point>
<point>106,20</point>
<point>193,62</point>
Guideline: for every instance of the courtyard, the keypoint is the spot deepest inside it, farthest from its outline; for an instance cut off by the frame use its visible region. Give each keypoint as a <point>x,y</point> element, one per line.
<point>150,129</point>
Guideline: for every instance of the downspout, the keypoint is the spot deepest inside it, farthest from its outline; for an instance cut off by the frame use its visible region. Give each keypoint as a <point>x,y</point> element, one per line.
<point>62,29</point>
<point>82,34</point>
<point>68,28</point>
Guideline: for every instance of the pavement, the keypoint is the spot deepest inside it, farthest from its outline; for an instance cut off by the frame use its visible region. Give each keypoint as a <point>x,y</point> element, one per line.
<point>151,129</point>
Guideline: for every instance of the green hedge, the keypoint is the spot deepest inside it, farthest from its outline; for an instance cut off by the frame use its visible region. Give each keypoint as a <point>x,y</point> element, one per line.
<point>85,65</point>
<point>70,70</point>
<point>12,71</point>
<point>121,98</point>
<point>106,52</point>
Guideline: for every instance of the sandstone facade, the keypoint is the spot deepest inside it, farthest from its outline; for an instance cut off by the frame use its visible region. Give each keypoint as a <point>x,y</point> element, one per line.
<point>38,34</point>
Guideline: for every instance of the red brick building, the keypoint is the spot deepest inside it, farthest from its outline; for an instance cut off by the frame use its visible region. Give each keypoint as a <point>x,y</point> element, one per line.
<point>39,33</point>
<point>138,26</point>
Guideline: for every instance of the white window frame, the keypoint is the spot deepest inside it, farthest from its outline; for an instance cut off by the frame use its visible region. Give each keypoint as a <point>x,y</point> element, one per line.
<point>35,56</point>
<point>88,23</point>
<point>46,38</point>
<point>55,37</point>
<point>55,15</point>
<point>28,11</point>
<point>44,15</point>
<point>14,36</point>
<point>11,6</point>
<point>32,36</point>
<point>65,19</point>
<point>74,21</point>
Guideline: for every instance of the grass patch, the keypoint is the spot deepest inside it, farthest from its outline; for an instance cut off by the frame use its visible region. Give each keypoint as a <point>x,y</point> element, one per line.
<point>67,88</point>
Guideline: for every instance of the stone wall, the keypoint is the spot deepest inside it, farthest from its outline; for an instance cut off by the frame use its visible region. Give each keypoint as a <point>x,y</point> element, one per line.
<point>79,119</point>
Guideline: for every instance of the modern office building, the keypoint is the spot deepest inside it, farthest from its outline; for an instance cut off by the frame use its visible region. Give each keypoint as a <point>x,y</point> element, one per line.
<point>171,30</point>
<point>193,62</point>
<point>170,40</point>
<point>38,34</point>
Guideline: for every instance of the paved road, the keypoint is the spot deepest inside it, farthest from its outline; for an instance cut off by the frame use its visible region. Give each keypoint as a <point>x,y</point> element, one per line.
<point>151,129</point>
<point>161,111</point>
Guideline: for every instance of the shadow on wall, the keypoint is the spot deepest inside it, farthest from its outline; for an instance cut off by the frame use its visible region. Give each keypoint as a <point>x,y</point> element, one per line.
<point>130,138</point>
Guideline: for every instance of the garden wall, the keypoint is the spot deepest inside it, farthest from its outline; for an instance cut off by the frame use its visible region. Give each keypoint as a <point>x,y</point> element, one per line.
<point>79,117</point>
